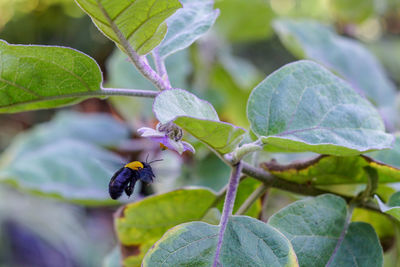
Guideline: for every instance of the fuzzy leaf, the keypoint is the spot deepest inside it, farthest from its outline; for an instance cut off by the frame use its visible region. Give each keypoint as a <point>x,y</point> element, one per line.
<point>70,170</point>
<point>315,227</point>
<point>247,242</point>
<point>304,107</point>
<point>187,25</point>
<point>62,158</point>
<point>142,23</point>
<point>347,57</point>
<point>41,77</point>
<point>198,117</point>
<point>139,225</point>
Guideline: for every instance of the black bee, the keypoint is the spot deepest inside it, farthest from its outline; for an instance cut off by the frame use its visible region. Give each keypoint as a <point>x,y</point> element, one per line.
<point>126,177</point>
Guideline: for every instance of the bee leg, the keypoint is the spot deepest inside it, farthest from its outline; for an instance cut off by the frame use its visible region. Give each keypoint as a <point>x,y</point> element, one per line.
<point>129,188</point>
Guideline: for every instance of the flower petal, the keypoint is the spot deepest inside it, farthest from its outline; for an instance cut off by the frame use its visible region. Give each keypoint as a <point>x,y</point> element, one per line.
<point>188,147</point>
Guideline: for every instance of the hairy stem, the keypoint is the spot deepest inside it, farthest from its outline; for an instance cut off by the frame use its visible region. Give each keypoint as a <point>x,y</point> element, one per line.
<point>251,199</point>
<point>228,207</point>
<point>126,92</point>
<point>160,66</point>
<point>139,61</point>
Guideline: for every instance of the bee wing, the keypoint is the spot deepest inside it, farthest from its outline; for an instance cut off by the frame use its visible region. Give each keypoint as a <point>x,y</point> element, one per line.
<point>119,182</point>
<point>115,176</point>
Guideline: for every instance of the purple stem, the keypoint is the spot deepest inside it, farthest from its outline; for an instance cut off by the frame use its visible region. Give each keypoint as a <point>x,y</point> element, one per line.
<point>126,92</point>
<point>160,66</point>
<point>228,207</point>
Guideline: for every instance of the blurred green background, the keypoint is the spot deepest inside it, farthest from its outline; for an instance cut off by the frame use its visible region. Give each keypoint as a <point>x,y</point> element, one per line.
<point>222,67</point>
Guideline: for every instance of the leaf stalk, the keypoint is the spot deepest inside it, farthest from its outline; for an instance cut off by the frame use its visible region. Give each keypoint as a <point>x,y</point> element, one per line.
<point>228,207</point>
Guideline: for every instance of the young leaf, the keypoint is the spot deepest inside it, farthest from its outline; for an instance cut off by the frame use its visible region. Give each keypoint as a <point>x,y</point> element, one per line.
<point>141,23</point>
<point>349,58</point>
<point>328,170</point>
<point>39,77</point>
<point>140,224</point>
<point>247,242</point>
<point>188,24</point>
<point>316,228</point>
<point>198,117</point>
<point>304,107</point>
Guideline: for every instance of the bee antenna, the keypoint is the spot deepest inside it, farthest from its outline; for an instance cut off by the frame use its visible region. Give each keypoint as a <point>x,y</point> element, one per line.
<point>156,160</point>
<point>147,157</point>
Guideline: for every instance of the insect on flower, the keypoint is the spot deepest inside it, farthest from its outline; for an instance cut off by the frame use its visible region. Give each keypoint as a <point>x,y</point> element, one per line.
<point>126,177</point>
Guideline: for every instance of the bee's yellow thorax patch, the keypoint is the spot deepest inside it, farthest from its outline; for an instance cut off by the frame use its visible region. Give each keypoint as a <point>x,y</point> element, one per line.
<point>134,165</point>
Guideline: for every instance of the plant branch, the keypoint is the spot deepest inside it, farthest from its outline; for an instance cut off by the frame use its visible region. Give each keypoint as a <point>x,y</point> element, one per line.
<point>139,61</point>
<point>251,199</point>
<point>125,92</point>
<point>228,207</point>
<point>160,66</point>
<point>302,189</point>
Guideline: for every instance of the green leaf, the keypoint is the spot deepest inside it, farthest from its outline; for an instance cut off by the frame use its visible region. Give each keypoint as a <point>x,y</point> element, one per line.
<point>113,259</point>
<point>352,11</point>
<point>62,159</point>
<point>392,207</point>
<point>198,117</point>
<point>233,78</point>
<point>388,52</point>
<point>139,225</point>
<point>360,247</point>
<point>247,242</point>
<point>304,107</point>
<point>70,170</point>
<point>187,25</point>
<point>347,57</point>
<point>390,156</point>
<point>221,136</point>
<point>329,170</point>
<point>244,21</point>
<point>171,104</point>
<point>316,228</point>
<point>40,77</point>
<point>97,129</point>
<point>142,23</point>
<point>382,224</point>
<point>34,216</point>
